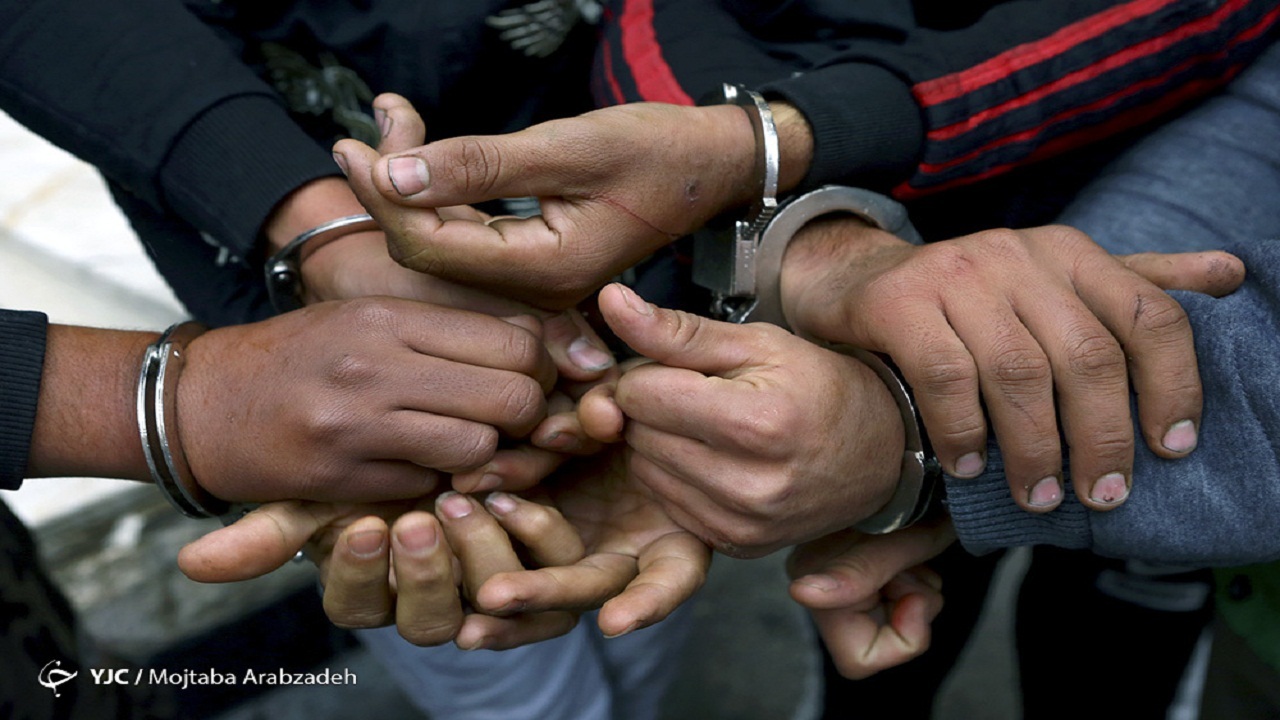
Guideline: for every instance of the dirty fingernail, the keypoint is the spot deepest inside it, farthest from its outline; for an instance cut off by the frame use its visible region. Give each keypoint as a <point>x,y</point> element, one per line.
<point>487,482</point>
<point>1181,437</point>
<point>341,160</point>
<point>454,506</point>
<point>409,175</point>
<point>1110,489</point>
<point>589,357</point>
<point>384,121</point>
<point>1046,493</point>
<point>501,503</point>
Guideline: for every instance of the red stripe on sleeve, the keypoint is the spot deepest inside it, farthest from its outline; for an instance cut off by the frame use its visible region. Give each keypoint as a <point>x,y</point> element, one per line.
<point>643,55</point>
<point>1084,136</point>
<point>611,80</point>
<point>1146,48</point>
<point>949,87</point>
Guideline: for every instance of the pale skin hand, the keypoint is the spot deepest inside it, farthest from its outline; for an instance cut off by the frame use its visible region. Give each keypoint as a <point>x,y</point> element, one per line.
<point>392,563</point>
<point>870,596</point>
<point>750,437</point>
<point>1040,323</point>
<point>614,184</point>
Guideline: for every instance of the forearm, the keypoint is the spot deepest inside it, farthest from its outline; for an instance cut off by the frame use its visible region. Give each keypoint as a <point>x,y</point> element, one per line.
<point>86,421</point>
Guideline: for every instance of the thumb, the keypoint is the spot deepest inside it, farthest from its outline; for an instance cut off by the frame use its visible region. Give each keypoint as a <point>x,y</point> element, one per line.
<point>680,339</point>
<point>253,546</point>
<point>477,168</point>
<point>400,124</point>
<point>1213,272</point>
<point>867,566</point>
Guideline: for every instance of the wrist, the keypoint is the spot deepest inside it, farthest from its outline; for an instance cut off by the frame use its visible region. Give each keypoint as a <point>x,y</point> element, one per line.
<point>328,273</point>
<point>314,204</point>
<point>826,259</point>
<point>795,141</point>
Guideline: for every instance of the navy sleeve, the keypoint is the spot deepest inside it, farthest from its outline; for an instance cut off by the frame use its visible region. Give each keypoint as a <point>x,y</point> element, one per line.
<point>22,340</point>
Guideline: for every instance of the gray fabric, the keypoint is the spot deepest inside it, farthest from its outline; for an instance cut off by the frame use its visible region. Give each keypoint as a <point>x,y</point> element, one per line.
<point>1210,179</point>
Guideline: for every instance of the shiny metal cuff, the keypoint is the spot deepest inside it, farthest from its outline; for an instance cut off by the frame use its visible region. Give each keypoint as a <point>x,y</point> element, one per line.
<point>920,479</point>
<point>283,270</point>
<point>157,403</point>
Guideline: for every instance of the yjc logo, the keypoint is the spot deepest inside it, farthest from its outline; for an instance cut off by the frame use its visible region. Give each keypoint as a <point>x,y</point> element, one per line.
<point>51,676</point>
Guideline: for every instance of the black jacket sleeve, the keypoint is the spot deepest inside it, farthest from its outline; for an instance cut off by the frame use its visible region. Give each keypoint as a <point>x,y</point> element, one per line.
<point>152,97</point>
<point>22,337</point>
<point>914,97</point>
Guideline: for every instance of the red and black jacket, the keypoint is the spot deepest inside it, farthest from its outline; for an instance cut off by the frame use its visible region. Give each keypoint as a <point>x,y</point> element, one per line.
<point>916,97</point>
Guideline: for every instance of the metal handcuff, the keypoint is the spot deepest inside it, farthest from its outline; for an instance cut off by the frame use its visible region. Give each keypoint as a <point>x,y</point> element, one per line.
<point>742,266</point>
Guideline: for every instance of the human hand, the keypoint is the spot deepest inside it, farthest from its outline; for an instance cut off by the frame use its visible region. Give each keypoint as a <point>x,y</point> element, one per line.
<point>639,564</point>
<point>362,400</point>
<point>750,437</point>
<point>614,185</point>
<point>870,596</point>
<point>1023,317</point>
<point>390,563</point>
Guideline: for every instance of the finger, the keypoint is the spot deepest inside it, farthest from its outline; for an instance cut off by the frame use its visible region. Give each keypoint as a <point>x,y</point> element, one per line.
<point>599,415</point>
<point>693,510</point>
<point>562,431</point>
<point>583,586</point>
<point>1156,336</point>
<point>857,573</point>
<point>357,591</point>
<point>550,539</point>
<point>494,633</point>
<point>861,647</point>
<point>510,469</point>
<point>428,610</point>
<point>399,123</point>
<point>1017,384</point>
<point>1213,272</point>
<point>513,402</point>
<point>473,169</point>
<point>578,352</point>
<point>476,539</point>
<point>671,571</point>
<point>375,480</point>
<point>944,377</point>
<point>1092,382</point>
<point>433,441</point>
<point>723,480</point>
<point>255,544</point>
<point>677,338</point>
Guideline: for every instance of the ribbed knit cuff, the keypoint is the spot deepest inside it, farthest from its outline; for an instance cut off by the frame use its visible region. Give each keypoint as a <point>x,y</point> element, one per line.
<point>22,340</point>
<point>235,163</point>
<point>987,519</point>
<point>867,129</point>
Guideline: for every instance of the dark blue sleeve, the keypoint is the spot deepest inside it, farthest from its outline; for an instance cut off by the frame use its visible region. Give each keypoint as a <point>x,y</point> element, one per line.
<point>22,339</point>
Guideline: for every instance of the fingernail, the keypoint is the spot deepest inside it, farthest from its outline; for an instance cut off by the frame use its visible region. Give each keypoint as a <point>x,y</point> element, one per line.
<point>588,356</point>
<point>468,645</point>
<point>384,121</point>
<point>634,302</point>
<point>501,503</point>
<point>970,465</point>
<point>366,544</point>
<point>454,506</point>
<point>628,629</point>
<point>1181,438</point>
<point>825,583</point>
<point>341,160</point>
<point>417,538</point>
<point>1046,493</point>
<point>409,175</point>
<point>564,442</point>
<point>488,481</point>
<point>1111,489</point>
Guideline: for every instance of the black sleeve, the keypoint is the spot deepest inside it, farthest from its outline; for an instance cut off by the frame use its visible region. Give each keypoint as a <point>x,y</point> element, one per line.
<point>22,338</point>
<point>906,102</point>
<point>153,98</point>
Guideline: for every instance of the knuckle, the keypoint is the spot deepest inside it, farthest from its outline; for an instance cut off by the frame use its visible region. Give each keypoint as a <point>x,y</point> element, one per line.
<point>761,430</point>
<point>1095,354</point>
<point>1020,365</point>
<point>478,166</point>
<point>950,259</point>
<point>521,401</point>
<point>350,617</point>
<point>1160,316</point>
<point>1005,244</point>
<point>429,632</point>
<point>471,448</point>
<point>370,313</point>
<point>521,350</point>
<point>944,372</point>
<point>1111,442</point>
<point>351,370</point>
